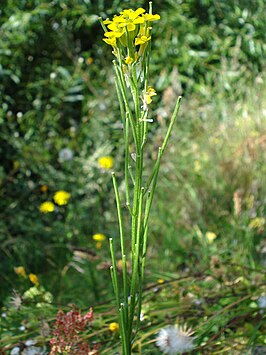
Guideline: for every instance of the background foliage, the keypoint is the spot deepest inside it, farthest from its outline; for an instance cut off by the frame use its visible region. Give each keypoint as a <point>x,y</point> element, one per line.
<point>56,92</point>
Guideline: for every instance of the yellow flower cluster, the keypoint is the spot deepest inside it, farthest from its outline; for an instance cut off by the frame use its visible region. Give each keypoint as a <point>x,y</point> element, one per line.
<point>60,198</point>
<point>20,270</point>
<point>130,29</point>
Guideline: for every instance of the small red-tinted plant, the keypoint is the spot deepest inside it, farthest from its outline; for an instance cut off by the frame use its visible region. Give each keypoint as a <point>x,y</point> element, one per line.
<point>67,332</point>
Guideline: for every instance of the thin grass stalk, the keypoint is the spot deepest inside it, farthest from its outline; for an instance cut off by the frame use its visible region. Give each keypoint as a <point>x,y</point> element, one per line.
<point>121,102</point>
<point>122,242</point>
<point>122,84</point>
<point>136,254</point>
<point>127,162</point>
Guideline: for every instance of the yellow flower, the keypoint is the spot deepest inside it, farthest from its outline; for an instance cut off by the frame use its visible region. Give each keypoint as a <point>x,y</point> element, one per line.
<point>130,26</point>
<point>99,245</point>
<point>106,162</point>
<point>151,17</point>
<point>129,60</point>
<point>44,188</point>
<point>148,96</point>
<point>89,60</point>
<point>160,281</point>
<point>132,14</point>
<point>107,21</point>
<point>115,32</point>
<point>61,197</point>
<point>113,327</point>
<point>210,236</point>
<point>20,270</point>
<point>142,40</point>
<point>115,29</point>
<point>98,237</point>
<point>111,41</point>
<point>34,279</point>
<point>257,223</point>
<point>130,19</point>
<point>47,207</point>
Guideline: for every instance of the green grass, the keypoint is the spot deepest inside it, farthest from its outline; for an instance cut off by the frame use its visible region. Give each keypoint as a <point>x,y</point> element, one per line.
<point>210,164</point>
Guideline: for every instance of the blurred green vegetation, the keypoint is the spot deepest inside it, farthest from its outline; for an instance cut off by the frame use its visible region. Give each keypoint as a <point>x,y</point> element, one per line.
<point>56,85</point>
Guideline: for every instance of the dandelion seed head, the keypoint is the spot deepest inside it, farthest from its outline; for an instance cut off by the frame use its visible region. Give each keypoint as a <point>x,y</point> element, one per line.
<point>16,300</point>
<point>15,351</point>
<point>65,154</point>
<point>30,342</point>
<point>175,340</point>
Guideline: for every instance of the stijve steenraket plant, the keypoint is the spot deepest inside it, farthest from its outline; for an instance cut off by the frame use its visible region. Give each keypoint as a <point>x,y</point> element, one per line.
<point>129,35</point>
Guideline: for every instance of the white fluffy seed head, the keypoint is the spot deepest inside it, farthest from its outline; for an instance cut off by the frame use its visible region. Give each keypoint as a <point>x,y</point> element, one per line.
<point>174,340</point>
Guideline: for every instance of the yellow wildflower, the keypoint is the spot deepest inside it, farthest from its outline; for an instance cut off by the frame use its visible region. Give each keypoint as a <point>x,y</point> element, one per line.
<point>129,26</point>
<point>130,19</point>
<point>210,236</point>
<point>151,17</point>
<point>106,162</point>
<point>47,207</point>
<point>257,223</point>
<point>61,197</point>
<point>113,327</point>
<point>115,32</point>
<point>131,13</point>
<point>44,188</point>
<point>99,245</point>
<point>129,60</point>
<point>34,279</point>
<point>20,270</point>
<point>160,281</point>
<point>107,21</point>
<point>148,96</point>
<point>99,237</point>
<point>115,29</point>
<point>142,40</point>
<point>89,60</point>
<point>111,41</point>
